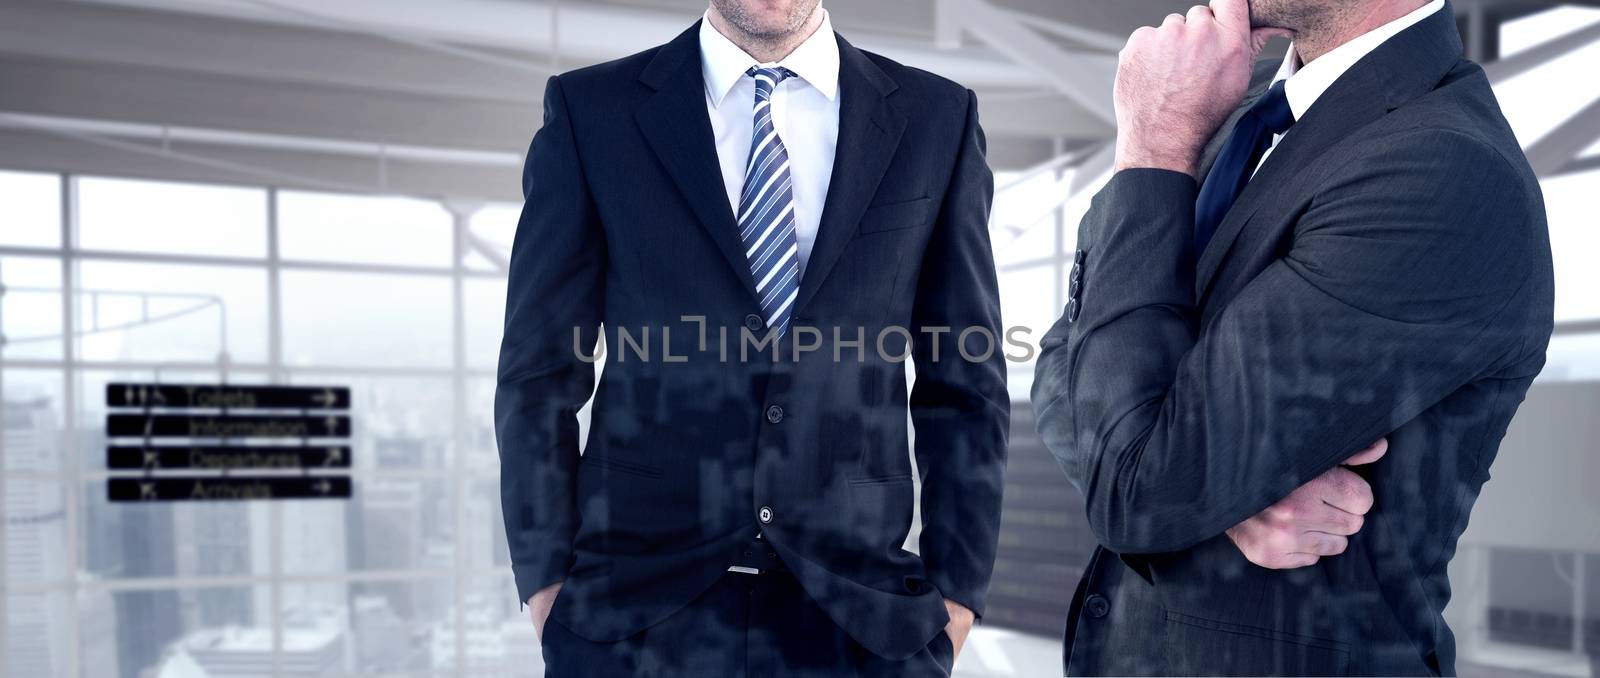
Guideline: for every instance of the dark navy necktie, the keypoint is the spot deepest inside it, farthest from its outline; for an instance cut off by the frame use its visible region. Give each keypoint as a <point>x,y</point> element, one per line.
<point>1251,138</point>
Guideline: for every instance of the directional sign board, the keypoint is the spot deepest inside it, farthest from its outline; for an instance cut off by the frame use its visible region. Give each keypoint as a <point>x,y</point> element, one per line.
<point>223,488</point>
<point>235,426</point>
<point>225,457</point>
<point>235,397</point>
<point>227,442</point>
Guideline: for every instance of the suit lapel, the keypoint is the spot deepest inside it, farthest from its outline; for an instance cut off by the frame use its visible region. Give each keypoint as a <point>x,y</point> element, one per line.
<point>1398,71</point>
<point>869,133</point>
<point>678,128</point>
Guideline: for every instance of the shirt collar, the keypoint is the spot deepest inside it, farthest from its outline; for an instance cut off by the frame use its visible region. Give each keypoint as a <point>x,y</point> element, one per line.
<point>816,60</point>
<point>1306,82</point>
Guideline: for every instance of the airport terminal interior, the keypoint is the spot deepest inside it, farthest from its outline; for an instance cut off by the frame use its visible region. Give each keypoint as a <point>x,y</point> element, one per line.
<point>324,193</point>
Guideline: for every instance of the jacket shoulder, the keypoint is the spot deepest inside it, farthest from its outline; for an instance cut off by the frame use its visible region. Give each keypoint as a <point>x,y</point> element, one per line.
<point>928,88</point>
<point>1460,117</point>
<point>606,76</point>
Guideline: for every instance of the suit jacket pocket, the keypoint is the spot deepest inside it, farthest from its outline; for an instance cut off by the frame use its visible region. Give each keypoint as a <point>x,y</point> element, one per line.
<point>896,216</point>
<point>1206,647</point>
<point>621,466</point>
<point>888,479</point>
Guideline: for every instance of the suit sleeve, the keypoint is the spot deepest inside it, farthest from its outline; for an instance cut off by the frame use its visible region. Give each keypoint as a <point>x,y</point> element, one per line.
<point>554,303</point>
<point>959,408</point>
<point>1399,285</point>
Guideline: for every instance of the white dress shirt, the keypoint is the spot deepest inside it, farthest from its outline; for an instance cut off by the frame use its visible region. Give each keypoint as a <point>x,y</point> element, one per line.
<point>805,111</point>
<point>1306,83</point>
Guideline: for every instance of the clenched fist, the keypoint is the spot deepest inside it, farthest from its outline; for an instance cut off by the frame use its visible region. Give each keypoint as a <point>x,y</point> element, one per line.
<point>1176,84</point>
<point>1314,521</point>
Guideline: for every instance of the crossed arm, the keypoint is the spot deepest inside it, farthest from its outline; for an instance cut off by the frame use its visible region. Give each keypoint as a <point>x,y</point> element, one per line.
<point>1382,306</point>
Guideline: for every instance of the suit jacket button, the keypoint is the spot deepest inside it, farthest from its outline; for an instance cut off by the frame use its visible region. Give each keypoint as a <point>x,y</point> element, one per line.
<point>774,414</point>
<point>1097,606</point>
<point>1078,257</point>
<point>753,322</point>
<point>1073,307</point>
<point>765,515</point>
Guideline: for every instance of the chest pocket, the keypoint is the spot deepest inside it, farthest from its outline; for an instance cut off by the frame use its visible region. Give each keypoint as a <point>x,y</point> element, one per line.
<point>897,216</point>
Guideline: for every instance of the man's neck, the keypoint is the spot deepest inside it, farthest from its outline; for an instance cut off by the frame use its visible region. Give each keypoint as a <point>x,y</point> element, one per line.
<point>1342,27</point>
<point>766,49</point>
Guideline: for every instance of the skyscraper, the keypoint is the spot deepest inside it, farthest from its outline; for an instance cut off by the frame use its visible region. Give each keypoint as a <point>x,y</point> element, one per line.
<point>35,534</point>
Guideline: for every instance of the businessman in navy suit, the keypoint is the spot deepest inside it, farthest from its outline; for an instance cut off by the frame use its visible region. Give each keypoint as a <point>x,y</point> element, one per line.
<point>1359,254</point>
<point>740,511</point>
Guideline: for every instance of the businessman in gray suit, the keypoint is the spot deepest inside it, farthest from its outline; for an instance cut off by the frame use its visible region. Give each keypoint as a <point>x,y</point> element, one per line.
<point>1358,254</point>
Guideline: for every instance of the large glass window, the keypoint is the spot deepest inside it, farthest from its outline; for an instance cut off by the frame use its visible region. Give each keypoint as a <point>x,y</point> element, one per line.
<point>1574,240</point>
<point>366,319</point>
<point>485,307</point>
<point>34,422</point>
<point>35,532</point>
<point>154,216</point>
<point>30,307</point>
<point>492,230</point>
<point>163,312</point>
<point>38,627</point>
<point>178,283</point>
<point>33,209</point>
<point>331,227</point>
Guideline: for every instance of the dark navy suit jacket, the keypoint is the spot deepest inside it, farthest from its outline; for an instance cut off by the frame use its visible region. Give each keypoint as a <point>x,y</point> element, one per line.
<point>1386,273</point>
<point>627,226</point>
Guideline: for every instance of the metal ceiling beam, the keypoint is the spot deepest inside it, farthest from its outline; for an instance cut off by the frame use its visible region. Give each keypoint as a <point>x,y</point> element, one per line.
<point>164,135</point>
<point>1553,153</point>
<point>1543,53</point>
<point>1119,17</point>
<point>80,32</point>
<point>1009,154</point>
<point>49,152</point>
<point>1044,118</point>
<point>110,92</point>
<point>1091,39</point>
<point>1587,163</point>
<point>579,33</point>
<point>1085,78</point>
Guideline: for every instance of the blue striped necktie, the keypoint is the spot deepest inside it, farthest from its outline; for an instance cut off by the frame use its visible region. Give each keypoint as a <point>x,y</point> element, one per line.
<point>766,210</point>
